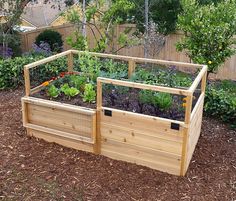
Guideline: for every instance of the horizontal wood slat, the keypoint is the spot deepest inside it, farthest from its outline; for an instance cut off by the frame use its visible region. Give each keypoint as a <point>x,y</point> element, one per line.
<point>65,141</point>
<point>142,140</point>
<point>141,155</point>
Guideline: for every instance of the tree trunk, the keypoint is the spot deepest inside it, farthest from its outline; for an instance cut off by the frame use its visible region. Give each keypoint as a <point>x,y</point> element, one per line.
<point>146,30</point>
<point>8,26</point>
<point>84,19</point>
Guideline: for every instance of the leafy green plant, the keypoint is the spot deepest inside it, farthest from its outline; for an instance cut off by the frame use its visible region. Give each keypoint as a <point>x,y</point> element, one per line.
<point>208,32</point>
<point>53,91</point>
<point>12,74</point>
<point>145,96</point>
<point>77,41</point>
<point>89,93</point>
<point>89,65</point>
<point>221,104</point>
<point>78,81</point>
<point>161,100</point>
<point>11,71</point>
<point>69,91</point>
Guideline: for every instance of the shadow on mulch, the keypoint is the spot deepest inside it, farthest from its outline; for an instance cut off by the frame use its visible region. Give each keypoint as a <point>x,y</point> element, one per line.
<point>32,169</point>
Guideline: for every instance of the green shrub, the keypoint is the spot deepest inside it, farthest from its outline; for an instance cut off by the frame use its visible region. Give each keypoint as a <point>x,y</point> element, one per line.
<point>53,38</point>
<point>12,74</point>
<point>221,104</point>
<point>11,71</point>
<point>208,32</point>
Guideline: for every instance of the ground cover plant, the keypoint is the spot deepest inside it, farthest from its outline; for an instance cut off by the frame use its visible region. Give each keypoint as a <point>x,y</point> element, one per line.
<point>220,101</point>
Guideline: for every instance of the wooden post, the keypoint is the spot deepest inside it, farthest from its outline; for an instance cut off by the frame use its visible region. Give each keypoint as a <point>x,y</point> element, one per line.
<point>27,81</point>
<point>70,62</point>
<point>203,83</point>
<point>189,100</point>
<point>132,66</point>
<point>99,111</point>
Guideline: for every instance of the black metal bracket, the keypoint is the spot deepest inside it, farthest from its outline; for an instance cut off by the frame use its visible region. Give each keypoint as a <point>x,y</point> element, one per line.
<point>108,113</point>
<point>174,126</point>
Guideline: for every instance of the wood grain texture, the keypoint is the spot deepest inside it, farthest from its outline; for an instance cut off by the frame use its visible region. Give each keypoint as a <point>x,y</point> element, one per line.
<point>61,140</point>
<point>145,141</point>
<point>72,128</point>
<point>195,128</point>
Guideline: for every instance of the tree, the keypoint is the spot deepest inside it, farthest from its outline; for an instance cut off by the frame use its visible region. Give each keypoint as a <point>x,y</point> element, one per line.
<point>101,19</point>
<point>208,32</point>
<point>12,10</point>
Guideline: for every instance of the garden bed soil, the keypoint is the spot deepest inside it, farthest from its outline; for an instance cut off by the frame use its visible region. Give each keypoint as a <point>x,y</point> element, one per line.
<point>32,169</point>
<point>127,101</point>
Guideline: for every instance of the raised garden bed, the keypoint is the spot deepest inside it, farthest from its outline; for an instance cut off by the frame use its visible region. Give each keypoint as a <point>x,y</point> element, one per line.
<point>123,123</point>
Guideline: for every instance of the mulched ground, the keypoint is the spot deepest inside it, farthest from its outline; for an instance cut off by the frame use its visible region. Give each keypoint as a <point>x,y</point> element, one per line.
<point>32,169</point>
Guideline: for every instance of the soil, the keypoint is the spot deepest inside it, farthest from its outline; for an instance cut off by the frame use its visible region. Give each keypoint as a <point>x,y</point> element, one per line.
<point>32,169</point>
<point>128,100</point>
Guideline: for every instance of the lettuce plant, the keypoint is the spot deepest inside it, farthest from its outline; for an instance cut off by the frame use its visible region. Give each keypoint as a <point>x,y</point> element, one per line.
<point>89,93</point>
<point>69,91</point>
<point>53,91</point>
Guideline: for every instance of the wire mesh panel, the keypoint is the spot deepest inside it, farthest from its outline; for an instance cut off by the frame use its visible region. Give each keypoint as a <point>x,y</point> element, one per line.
<point>143,101</point>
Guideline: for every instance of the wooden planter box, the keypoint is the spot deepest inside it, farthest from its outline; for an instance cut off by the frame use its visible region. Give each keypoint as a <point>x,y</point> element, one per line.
<point>162,144</point>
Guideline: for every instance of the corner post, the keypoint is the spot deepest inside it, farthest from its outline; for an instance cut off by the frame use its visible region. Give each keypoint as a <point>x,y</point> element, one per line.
<point>188,109</point>
<point>99,111</point>
<point>27,81</point>
<point>204,81</point>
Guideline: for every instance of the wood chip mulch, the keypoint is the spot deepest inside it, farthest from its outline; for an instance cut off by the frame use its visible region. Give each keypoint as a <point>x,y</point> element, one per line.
<point>32,169</point>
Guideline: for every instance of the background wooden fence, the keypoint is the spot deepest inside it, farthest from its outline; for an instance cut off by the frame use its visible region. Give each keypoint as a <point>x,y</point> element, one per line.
<point>168,52</point>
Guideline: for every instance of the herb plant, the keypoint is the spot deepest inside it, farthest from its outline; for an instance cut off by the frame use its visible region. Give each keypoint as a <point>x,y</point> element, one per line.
<point>161,100</point>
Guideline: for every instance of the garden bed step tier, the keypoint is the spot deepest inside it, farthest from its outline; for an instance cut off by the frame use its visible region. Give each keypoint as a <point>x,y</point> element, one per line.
<point>68,125</point>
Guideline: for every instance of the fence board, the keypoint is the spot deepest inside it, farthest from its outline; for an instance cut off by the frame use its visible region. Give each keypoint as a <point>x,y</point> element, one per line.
<point>168,52</point>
